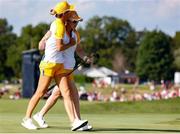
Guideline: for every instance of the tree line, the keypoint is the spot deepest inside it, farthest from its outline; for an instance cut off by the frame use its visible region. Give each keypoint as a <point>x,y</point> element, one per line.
<point>152,55</point>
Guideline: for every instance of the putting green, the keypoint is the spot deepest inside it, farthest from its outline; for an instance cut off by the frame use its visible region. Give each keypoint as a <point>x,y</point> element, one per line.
<point>105,123</point>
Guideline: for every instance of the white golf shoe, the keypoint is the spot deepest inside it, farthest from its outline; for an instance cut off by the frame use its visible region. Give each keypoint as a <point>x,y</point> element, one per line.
<point>27,123</point>
<point>85,128</point>
<point>78,124</point>
<point>40,120</point>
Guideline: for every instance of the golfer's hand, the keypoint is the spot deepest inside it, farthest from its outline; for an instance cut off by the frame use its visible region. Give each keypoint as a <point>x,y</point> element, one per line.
<point>87,59</point>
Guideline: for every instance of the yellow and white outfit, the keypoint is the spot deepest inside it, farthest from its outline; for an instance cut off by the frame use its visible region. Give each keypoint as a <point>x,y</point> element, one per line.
<point>52,64</point>
<point>58,62</point>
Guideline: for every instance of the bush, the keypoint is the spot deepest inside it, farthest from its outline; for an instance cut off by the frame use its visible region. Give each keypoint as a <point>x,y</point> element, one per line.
<point>82,79</point>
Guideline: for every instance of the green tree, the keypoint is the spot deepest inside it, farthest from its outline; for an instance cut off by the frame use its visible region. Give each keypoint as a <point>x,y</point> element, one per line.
<point>176,42</point>
<point>7,39</point>
<point>29,39</point>
<point>110,37</point>
<point>155,58</point>
<point>177,59</point>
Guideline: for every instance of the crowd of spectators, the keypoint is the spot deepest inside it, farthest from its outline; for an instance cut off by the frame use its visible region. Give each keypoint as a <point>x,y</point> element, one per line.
<point>166,91</point>
<point>6,90</point>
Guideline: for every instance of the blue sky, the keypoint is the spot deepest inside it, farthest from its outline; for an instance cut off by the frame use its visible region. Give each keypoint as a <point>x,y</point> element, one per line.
<point>149,14</point>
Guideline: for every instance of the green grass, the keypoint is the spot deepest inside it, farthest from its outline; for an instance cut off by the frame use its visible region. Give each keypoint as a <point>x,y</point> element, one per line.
<point>156,117</point>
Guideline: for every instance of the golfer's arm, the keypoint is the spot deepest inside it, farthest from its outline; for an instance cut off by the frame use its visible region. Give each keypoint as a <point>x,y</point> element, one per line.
<point>80,52</point>
<point>42,42</point>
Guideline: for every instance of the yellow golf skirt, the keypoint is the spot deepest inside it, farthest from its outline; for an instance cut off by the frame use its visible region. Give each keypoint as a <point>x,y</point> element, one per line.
<point>51,69</point>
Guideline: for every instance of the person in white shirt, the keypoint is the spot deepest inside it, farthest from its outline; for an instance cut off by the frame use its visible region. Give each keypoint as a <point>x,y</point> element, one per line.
<point>52,66</point>
<point>69,63</point>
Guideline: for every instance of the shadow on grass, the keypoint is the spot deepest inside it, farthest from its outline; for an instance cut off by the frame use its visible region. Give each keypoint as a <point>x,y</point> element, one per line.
<point>120,129</point>
<point>58,127</point>
<point>134,129</point>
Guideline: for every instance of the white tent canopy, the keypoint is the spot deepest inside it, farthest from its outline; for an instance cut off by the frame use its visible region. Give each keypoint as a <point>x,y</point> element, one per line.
<point>94,73</point>
<point>99,72</point>
<point>107,71</point>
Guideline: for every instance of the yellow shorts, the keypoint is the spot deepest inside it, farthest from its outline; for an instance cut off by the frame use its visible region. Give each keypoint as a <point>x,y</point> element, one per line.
<point>67,71</point>
<point>51,69</point>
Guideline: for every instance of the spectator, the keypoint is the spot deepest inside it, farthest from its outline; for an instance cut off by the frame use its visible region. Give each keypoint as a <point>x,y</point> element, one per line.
<point>16,95</point>
<point>114,96</point>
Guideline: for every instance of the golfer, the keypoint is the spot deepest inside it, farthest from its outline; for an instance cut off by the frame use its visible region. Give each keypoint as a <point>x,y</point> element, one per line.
<point>52,66</point>
<point>69,63</point>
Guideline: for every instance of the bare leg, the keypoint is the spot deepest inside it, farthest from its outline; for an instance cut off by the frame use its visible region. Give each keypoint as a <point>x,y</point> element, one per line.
<point>65,88</point>
<point>71,102</point>
<point>75,98</point>
<point>51,101</point>
<point>43,84</point>
<point>54,97</point>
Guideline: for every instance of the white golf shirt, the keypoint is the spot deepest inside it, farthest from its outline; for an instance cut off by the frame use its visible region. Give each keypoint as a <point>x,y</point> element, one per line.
<point>57,29</point>
<point>68,54</point>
